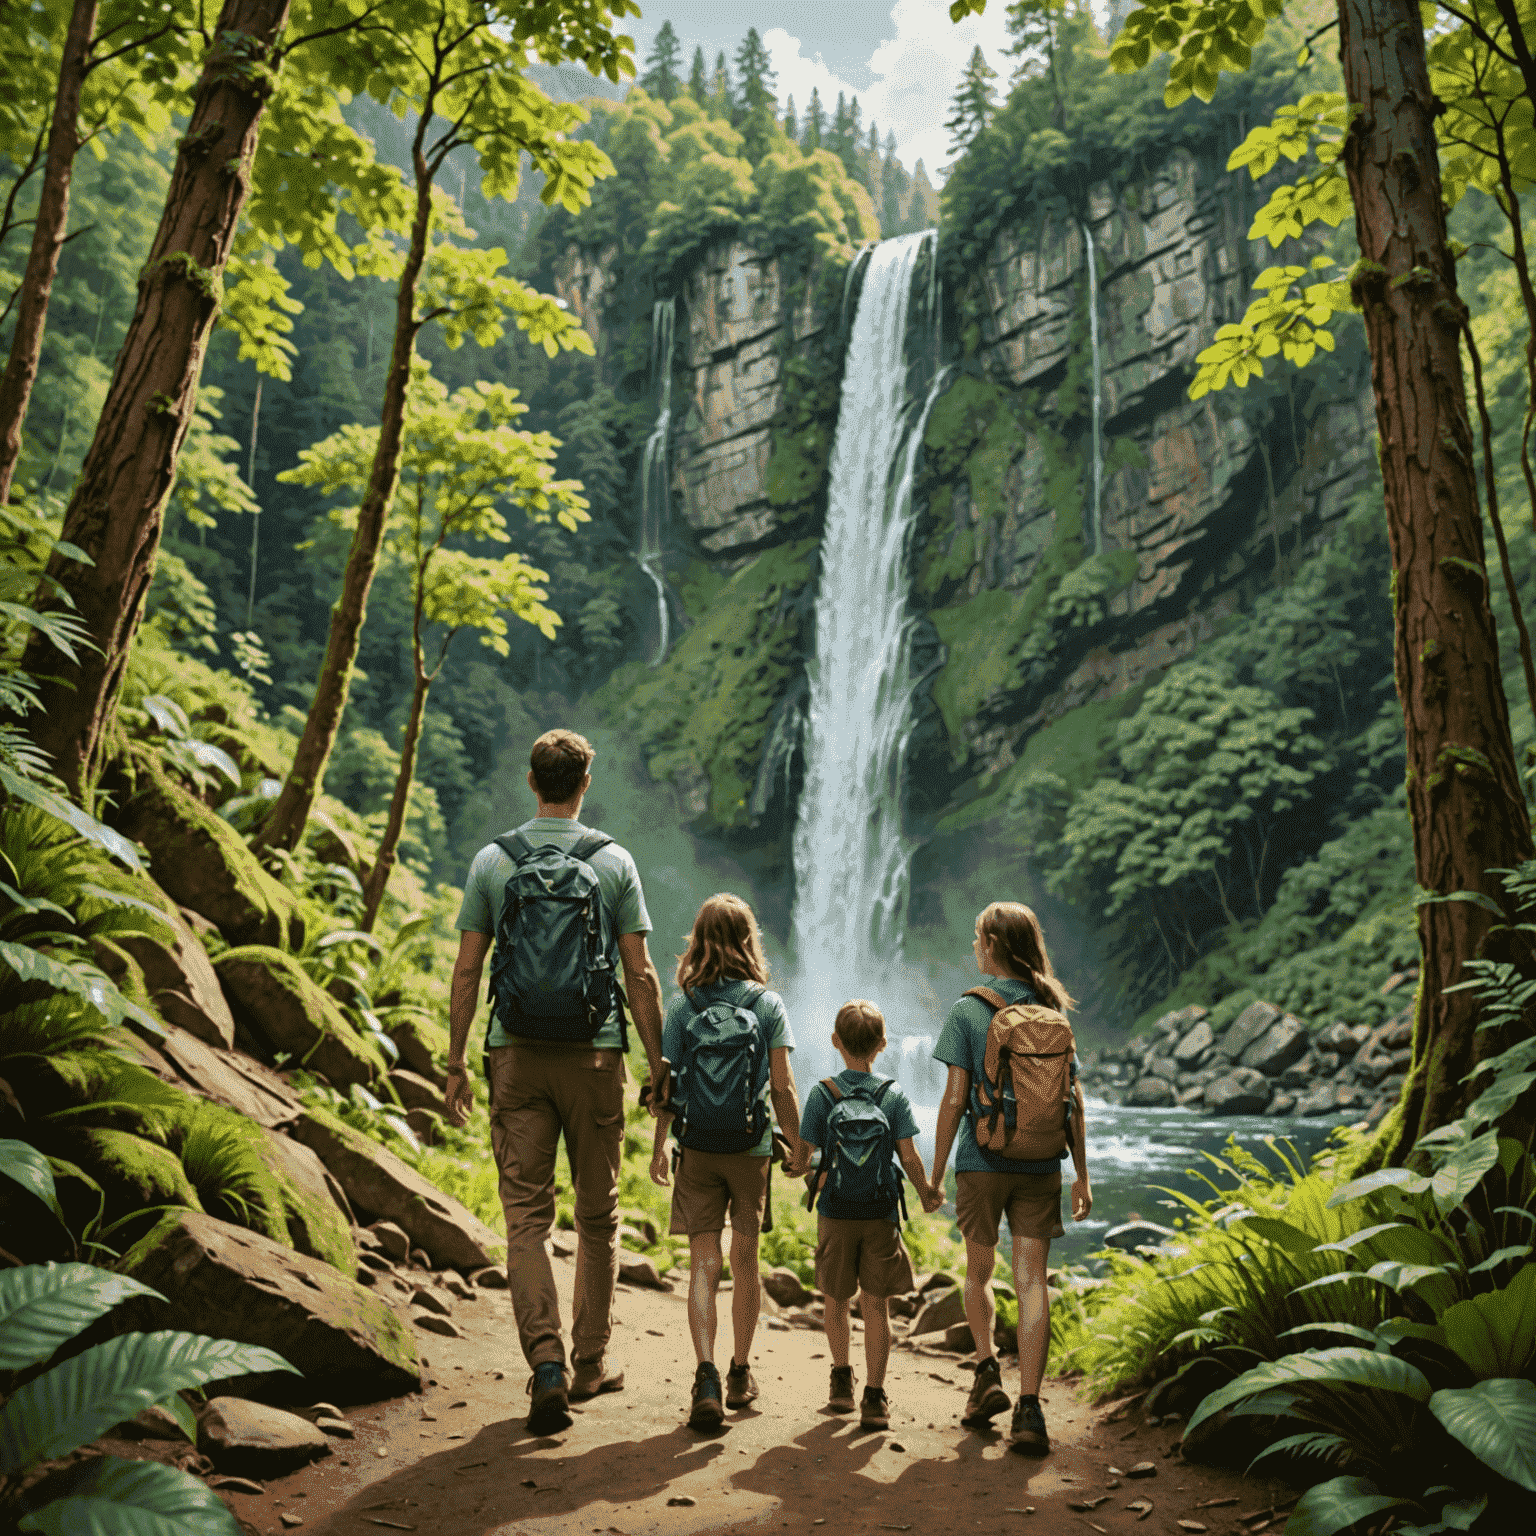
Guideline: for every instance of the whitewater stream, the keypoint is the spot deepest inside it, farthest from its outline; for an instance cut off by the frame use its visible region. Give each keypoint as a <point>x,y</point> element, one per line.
<point>851,854</point>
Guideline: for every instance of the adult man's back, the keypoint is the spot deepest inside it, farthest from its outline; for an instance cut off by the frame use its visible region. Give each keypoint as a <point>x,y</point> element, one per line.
<point>553,1077</point>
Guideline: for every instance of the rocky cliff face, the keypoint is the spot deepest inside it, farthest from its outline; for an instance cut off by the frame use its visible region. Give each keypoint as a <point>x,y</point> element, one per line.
<point>1023,621</point>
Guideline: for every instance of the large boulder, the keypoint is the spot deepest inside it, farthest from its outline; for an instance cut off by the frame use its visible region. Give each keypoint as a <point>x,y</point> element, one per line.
<point>133,1173</point>
<point>1164,1066</point>
<point>1340,1038</point>
<point>181,980</point>
<point>199,860</point>
<point>379,1184</point>
<point>1247,1027</point>
<point>221,1280</point>
<point>248,1439</point>
<point>275,999</point>
<point>423,1047</point>
<point>784,1287</point>
<point>1242,1091</point>
<point>315,1207</point>
<point>1151,1093</point>
<point>1282,1043</point>
<point>1195,1043</point>
<point>229,1078</point>
<point>939,1313</point>
<point>1134,1234</point>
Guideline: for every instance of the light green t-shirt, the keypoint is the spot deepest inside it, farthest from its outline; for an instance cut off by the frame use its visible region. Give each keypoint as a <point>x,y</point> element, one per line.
<point>618,884</point>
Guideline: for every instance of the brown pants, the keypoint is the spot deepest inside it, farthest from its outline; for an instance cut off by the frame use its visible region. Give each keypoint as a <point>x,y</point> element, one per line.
<point>538,1092</point>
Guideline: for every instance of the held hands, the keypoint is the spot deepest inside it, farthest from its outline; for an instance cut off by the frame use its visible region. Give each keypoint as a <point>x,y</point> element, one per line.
<point>459,1095</point>
<point>660,1166</point>
<point>1082,1198</point>
<point>932,1195</point>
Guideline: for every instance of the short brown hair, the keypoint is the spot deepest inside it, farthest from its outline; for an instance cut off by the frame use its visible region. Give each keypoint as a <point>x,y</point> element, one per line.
<point>725,942</point>
<point>1014,933</point>
<point>560,760</point>
<point>861,1028</point>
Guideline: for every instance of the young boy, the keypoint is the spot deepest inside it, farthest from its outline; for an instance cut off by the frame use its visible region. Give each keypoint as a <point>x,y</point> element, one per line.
<point>857,1251</point>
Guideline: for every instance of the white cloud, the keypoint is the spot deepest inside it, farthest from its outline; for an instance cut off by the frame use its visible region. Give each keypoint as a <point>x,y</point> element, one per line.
<point>917,71</point>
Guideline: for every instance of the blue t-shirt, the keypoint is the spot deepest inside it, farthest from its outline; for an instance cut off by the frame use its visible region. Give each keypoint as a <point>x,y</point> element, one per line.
<point>813,1128</point>
<point>963,1043</point>
<point>618,884</point>
<point>769,1009</point>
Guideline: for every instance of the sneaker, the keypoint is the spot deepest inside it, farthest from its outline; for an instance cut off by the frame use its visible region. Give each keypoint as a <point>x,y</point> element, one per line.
<point>550,1410</point>
<point>840,1393</point>
<point>987,1398</point>
<point>707,1412</point>
<point>875,1409</point>
<point>592,1377</point>
<point>740,1386</point>
<point>1029,1437</point>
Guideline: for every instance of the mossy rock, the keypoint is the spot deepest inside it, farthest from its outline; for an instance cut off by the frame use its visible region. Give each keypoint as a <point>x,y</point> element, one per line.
<point>423,1047</point>
<point>199,860</point>
<point>272,996</point>
<point>134,1175</point>
<point>315,1208</point>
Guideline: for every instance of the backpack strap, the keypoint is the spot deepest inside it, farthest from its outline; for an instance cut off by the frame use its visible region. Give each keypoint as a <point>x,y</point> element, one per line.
<point>588,845</point>
<point>880,1092</point>
<point>830,1084</point>
<point>993,1000</point>
<point>516,846</point>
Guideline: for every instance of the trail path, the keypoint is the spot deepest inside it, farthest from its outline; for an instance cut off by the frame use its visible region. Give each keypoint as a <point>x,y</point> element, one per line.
<point>457,1461</point>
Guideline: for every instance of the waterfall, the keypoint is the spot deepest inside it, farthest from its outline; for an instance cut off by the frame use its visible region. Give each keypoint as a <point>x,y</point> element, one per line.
<point>655,479</point>
<point>850,854</point>
<point>1098,396</point>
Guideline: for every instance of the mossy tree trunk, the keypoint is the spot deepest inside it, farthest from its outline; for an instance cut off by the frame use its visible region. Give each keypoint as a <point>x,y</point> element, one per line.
<point>1464,793</point>
<point>48,226</point>
<point>115,514</point>
<point>399,804</point>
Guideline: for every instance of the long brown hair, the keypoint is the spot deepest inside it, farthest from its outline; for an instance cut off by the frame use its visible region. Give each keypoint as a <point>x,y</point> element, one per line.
<point>724,943</point>
<point>1013,931</point>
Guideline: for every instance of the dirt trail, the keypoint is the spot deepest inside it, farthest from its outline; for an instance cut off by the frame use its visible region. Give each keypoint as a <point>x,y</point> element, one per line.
<point>457,1461</point>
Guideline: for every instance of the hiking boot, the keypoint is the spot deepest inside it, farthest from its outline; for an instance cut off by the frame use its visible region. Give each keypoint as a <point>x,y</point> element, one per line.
<point>592,1377</point>
<point>987,1398</point>
<point>707,1412</point>
<point>740,1386</point>
<point>550,1410</point>
<point>875,1409</point>
<point>1029,1437</point>
<point>840,1393</point>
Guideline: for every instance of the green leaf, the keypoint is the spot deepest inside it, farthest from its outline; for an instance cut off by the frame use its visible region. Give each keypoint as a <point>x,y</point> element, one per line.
<point>1342,1330</point>
<point>1495,1333</point>
<point>56,805</point>
<point>1500,1256</point>
<point>27,1167</point>
<point>111,1496</point>
<point>1463,1171</point>
<point>181,1410</point>
<point>1364,1235</point>
<point>1384,1178</point>
<point>1339,1505</point>
<point>81,980</point>
<point>1323,1367</point>
<point>84,1396</point>
<point>1282,1234</point>
<point>44,1305</point>
<point>1496,1421</point>
<point>1314,1443</point>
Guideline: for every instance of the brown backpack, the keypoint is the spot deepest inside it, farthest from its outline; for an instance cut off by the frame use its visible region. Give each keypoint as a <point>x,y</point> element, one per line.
<point>1022,1100</point>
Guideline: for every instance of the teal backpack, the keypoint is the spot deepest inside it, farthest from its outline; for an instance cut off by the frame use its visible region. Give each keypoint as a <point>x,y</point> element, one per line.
<point>552,973</point>
<point>858,1159</point>
<point>718,1081</point>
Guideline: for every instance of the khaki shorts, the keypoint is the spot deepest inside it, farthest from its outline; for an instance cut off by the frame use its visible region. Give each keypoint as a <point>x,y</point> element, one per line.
<point>707,1182</point>
<point>861,1255</point>
<point>1032,1202</point>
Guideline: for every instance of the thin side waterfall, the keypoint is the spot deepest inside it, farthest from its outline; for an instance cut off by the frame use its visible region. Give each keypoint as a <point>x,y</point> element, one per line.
<point>850,854</point>
<point>1098,395</point>
<point>655,469</point>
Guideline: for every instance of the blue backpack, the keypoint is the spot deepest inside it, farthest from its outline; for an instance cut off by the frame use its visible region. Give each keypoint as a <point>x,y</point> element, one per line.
<point>858,1159</point>
<point>552,972</point>
<point>719,1079</point>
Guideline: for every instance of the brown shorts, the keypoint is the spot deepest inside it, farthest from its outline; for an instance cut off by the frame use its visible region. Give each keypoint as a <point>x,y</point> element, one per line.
<point>861,1255</point>
<point>1032,1202</point>
<point>707,1182</point>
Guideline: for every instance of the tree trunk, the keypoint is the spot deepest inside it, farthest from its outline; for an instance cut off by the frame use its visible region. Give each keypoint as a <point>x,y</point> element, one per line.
<point>378,876</point>
<point>116,511</point>
<point>1464,796</point>
<point>47,241</point>
<point>285,822</point>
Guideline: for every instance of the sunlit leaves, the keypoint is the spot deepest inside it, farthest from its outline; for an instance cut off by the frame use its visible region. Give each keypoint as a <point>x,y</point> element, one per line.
<point>1205,39</point>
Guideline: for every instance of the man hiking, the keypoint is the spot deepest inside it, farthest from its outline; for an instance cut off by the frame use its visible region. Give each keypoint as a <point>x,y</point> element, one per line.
<point>563,904</point>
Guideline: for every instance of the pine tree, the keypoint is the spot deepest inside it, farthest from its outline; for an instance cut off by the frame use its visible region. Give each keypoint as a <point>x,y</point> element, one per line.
<point>853,141</point>
<point>973,105</point>
<point>698,78</point>
<point>791,124</point>
<point>837,134</point>
<point>754,69</point>
<point>661,76</point>
<point>815,122</point>
<point>722,94</point>
<point>1035,27</point>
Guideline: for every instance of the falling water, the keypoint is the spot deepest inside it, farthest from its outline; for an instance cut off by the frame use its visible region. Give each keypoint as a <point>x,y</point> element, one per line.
<point>1098,395</point>
<point>655,482</point>
<point>850,854</point>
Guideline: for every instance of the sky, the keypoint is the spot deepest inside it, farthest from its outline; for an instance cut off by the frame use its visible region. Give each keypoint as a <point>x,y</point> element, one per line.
<point>903,60</point>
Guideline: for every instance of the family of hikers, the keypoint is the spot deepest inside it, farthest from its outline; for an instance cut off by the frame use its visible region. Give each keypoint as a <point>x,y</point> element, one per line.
<point>560,910</point>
